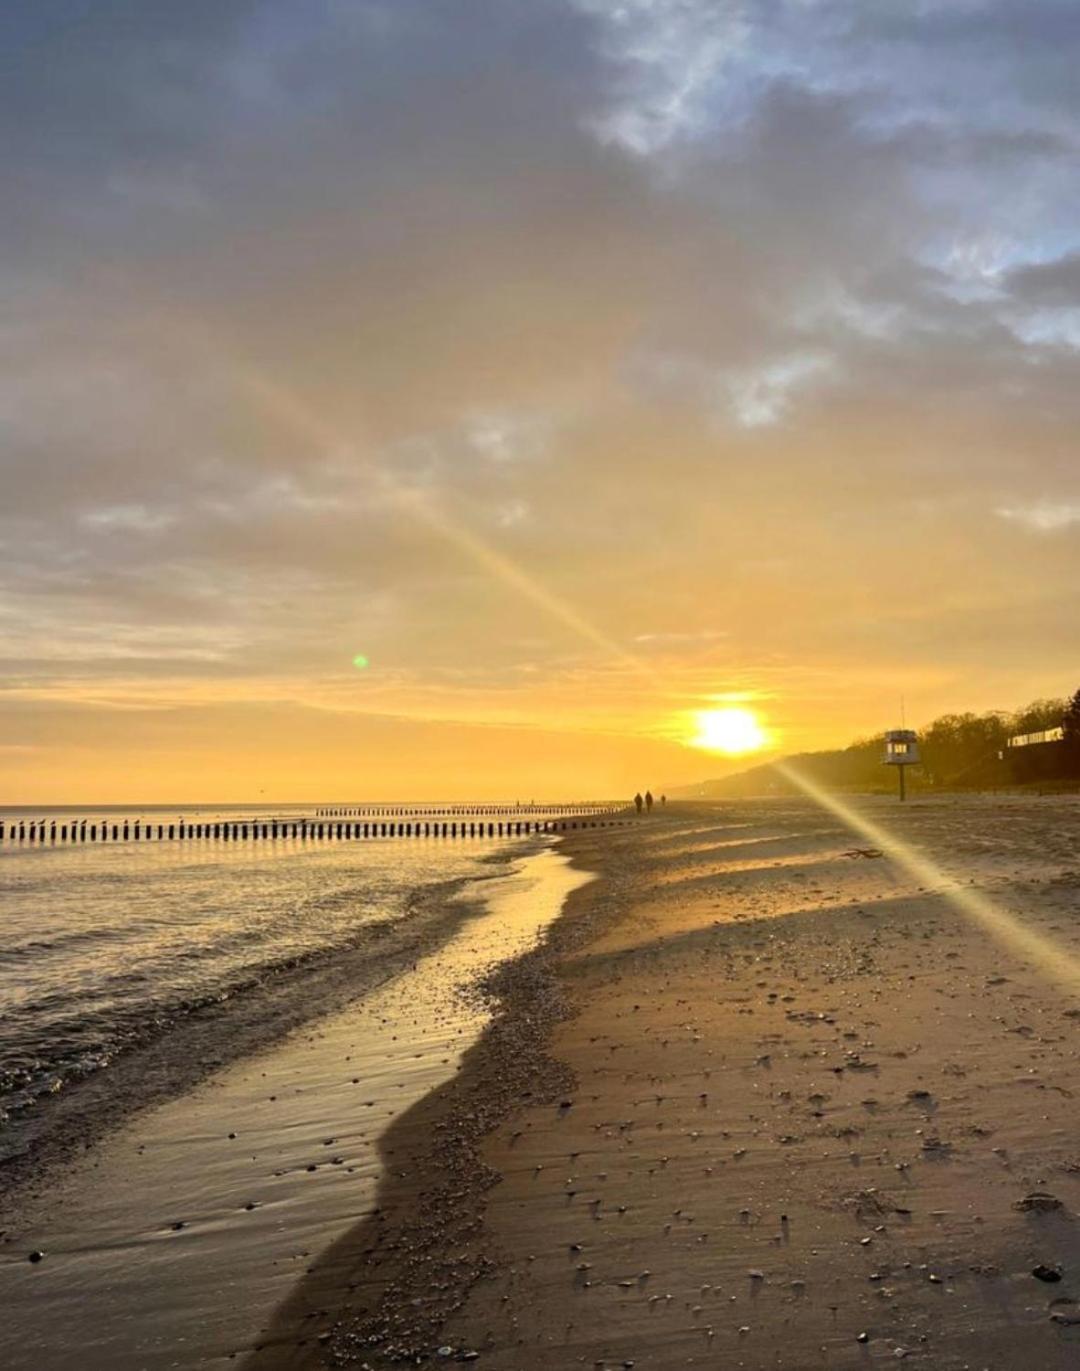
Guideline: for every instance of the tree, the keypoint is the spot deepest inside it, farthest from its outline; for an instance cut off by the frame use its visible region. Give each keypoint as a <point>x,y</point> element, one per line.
<point>957,744</point>
<point>1070,722</point>
<point>1037,716</point>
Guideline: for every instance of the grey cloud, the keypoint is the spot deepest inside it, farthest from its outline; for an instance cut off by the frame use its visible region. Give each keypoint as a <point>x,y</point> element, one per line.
<point>1055,283</point>
<point>259,253</point>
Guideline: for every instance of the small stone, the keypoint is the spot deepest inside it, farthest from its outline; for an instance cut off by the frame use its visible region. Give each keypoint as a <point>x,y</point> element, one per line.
<point>1038,1202</point>
<point>1050,1274</point>
<point>36,1257</point>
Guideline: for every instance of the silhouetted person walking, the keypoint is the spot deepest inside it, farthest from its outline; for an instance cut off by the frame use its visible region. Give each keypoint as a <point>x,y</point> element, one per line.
<point>663,801</point>
<point>648,800</point>
<point>638,802</point>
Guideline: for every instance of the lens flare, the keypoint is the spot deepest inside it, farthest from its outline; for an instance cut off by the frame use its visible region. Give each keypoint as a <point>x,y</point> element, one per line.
<point>288,406</point>
<point>360,662</point>
<point>1051,960</point>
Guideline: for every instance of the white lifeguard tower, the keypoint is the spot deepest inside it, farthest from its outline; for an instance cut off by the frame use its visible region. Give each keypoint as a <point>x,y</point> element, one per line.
<point>901,751</point>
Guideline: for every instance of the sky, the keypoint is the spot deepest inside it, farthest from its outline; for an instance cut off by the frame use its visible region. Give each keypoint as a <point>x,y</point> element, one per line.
<point>578,365</point>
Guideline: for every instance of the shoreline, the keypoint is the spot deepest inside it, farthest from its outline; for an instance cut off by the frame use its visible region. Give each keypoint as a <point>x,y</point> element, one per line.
<point>375,1284</point>
<point>173,1241</point>
<point>722,967</point>
<point>754,1098</point>
<point>211,1036</point>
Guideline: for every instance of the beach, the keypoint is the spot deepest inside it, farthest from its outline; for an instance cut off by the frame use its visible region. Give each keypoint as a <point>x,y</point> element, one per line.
<point>726,1088</point>
<point>758,1100</point>
<point>539,686</point>
<point>176,1195</point>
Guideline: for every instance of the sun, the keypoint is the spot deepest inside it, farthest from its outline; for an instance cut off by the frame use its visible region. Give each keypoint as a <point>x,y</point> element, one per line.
<point>731,731</point>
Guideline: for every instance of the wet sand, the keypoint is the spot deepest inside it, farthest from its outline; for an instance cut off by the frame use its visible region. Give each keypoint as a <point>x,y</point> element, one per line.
<point>171,1241</point>
<point>757,1101</point>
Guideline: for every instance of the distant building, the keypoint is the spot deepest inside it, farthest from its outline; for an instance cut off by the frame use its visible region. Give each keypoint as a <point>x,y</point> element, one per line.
<point>901,751</point>
<point>901,747</point>
<point>1038,758</point>
<point>1044,735</point>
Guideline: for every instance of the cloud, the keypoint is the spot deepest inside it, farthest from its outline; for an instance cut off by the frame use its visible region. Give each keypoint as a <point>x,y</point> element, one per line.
<point>679,639</point>
<point>1045,516</point>
<point>1056,282</point>
<point>681,308</point>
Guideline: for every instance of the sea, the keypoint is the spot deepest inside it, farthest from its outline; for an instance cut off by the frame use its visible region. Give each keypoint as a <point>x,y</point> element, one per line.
<point>105,948</point>
<point>205,1046</point>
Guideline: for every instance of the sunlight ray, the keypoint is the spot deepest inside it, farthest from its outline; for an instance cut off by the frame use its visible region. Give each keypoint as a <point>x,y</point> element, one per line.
<point>1050,959</point>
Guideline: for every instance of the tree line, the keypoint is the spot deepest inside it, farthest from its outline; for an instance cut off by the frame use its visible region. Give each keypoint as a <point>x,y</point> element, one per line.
<point>957,751</point>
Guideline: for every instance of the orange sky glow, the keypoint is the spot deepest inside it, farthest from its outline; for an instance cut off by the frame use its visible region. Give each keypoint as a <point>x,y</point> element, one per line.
<point>583,369</point>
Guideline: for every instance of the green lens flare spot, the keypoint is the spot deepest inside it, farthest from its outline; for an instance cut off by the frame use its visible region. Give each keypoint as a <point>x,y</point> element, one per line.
<point>360,662</point>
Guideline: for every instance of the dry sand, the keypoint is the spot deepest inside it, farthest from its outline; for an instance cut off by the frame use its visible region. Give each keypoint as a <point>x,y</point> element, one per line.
<point>757,1102</point>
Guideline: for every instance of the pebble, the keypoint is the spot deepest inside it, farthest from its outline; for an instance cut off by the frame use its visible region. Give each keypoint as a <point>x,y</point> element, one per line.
<point>1038,1202</point>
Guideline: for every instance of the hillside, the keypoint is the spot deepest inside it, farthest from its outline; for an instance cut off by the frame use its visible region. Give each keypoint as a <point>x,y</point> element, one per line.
<point>959,752</point>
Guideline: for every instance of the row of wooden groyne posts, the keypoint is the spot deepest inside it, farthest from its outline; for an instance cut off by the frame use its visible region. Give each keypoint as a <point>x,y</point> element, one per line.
<point>431,825</point>
<point>436,811</point>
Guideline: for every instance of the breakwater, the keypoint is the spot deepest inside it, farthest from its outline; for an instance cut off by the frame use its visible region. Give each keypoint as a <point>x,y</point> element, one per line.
<point>345,824</point>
